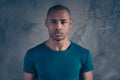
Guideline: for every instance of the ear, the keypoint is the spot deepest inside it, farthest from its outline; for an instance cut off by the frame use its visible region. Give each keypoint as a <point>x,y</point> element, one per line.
<point>70,23</point>
<point>46,23</point>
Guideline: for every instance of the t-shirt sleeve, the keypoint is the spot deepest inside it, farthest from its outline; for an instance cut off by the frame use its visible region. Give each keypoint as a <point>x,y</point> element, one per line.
<point>88,63</point>
<point>29,66</point>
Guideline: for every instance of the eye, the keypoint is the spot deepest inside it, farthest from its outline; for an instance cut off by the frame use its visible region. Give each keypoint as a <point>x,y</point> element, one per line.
<point>63,22</point>
<point>54,22</point>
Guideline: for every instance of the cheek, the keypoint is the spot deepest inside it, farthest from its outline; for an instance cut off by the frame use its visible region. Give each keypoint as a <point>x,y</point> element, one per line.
<point>66,30</point>
<point>50,29</point>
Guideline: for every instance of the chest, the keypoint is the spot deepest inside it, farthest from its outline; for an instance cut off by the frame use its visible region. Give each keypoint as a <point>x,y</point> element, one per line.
<point>58,65</point>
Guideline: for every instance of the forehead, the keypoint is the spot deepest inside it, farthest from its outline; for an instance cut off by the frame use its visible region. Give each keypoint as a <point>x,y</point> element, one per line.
<point>59,14</point>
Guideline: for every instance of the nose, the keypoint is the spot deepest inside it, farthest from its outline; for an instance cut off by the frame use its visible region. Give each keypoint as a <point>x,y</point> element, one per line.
<point>59,25</point>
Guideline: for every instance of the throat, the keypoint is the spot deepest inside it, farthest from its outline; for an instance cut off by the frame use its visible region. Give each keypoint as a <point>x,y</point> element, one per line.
<point>58,46</point>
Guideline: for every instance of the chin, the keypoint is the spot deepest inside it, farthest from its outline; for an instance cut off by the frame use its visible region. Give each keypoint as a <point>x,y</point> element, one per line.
<point>58,39</point>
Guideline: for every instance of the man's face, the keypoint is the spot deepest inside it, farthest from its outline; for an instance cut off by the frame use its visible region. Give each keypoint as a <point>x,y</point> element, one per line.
<point>58,24</point>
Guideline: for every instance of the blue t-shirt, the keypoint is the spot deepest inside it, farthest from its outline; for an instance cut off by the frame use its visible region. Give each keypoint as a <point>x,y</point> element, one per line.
<point>48,64</point>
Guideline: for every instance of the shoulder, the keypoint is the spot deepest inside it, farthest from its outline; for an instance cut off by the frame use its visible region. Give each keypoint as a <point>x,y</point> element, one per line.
<point>83,53</point>
<point>35,49</point>
<point>79,48</point>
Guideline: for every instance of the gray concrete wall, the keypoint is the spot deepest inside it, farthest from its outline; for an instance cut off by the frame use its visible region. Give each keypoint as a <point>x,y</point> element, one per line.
<point>96,26</point>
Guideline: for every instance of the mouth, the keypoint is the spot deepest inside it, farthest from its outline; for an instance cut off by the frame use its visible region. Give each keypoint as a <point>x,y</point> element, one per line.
<point>58,34</point>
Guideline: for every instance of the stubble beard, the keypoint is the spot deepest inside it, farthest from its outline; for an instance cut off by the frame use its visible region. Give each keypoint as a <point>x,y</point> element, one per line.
<point>57,38</point>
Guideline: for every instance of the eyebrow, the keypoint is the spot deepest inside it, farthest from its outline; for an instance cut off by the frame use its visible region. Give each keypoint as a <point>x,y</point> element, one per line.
<point>60,19</point>
<point>53,19</point>
<point>63,19</point>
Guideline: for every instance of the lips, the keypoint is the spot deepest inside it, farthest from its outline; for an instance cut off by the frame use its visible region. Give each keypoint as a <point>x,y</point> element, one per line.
<point>58,34</point>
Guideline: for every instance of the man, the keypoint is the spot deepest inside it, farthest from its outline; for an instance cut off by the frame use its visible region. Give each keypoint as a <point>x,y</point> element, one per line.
<point>58,58</point>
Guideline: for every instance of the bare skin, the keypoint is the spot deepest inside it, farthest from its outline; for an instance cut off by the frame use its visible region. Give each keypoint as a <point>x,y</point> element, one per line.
<point>88,75</point>
<point>28,76</point>
<point>58,24</point>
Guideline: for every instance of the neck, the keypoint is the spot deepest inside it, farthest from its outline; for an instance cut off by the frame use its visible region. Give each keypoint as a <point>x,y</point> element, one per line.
<point>58,45</point>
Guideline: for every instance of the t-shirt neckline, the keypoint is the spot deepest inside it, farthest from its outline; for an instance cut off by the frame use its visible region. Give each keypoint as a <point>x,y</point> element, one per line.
<point>61,51</point>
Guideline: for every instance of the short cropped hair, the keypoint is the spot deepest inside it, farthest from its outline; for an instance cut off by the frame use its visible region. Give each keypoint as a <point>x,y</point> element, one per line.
<point>56,8</point>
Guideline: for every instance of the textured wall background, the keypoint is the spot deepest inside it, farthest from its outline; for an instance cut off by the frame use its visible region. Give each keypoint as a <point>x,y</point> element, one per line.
<point>96,26</point>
